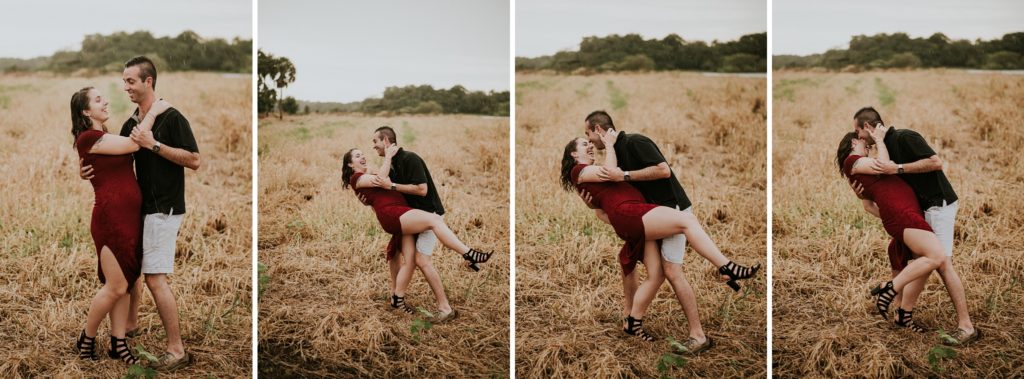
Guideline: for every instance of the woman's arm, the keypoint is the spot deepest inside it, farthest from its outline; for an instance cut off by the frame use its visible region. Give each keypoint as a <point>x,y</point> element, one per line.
<point>389,152</point>
<point>609,137</point>
<point>591,174</point>
<point>879,135</point>
<point>365,181</point>
<point>113,144</point>
<point>863,166</point>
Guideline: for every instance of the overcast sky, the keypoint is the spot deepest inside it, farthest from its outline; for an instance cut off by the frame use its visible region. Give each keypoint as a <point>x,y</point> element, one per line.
<point>348,51</point>
<point>37,28</point>
<point>545,27</point>
<point>805,27</point>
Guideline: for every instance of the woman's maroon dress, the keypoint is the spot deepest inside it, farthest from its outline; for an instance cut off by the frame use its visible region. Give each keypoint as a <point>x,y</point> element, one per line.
<point>389,207</point>
<point>117,213</point>
<point>625,207</point>
<point>897,206</point>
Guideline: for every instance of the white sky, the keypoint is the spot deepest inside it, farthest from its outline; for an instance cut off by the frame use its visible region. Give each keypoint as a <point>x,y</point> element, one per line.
<point>37,28</point>
<point>544,27</point>
<point>353,50</point>
<point>803,27</point>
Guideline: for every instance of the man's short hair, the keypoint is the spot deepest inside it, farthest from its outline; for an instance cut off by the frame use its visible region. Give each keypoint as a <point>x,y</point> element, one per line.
<point>599,118</point>
<point>146,68</point>
<point>868,115</point>
<point>388,133</point>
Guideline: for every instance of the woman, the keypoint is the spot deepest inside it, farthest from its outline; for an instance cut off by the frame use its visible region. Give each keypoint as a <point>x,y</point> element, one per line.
<point>638,223</point>
<point>116,226</point>
<point>892,200</point>
<point>403,223</point>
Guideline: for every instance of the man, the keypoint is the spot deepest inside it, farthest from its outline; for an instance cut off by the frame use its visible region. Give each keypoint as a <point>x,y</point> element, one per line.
<point>643,166</point>
<point>159,167</point>
<point>409,176</point>
<point>918,165</point>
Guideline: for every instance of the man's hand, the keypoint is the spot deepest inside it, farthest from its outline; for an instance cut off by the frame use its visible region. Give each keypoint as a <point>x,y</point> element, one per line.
<point>382,182</point>
<point>858,189</point>
<point>84,171</point>
<point>586,198</point>
<point>362,199</point>
<point>611,174</point>
<point>887,167</point>
<point>143,138</point>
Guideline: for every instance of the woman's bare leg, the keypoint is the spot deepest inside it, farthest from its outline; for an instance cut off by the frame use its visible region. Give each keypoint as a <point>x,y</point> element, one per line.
<point>649,288</point>
<point>416,221</point>
<point>630,283</point>
<point>107,297</point>
<point>404,276</point>
<point>927,248</point>
<point>394,264</point>
<point>663,222</point>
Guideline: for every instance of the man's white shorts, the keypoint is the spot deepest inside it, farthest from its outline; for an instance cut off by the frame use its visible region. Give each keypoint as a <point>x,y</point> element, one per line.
<point>673,248</point>
<point>159,237</point>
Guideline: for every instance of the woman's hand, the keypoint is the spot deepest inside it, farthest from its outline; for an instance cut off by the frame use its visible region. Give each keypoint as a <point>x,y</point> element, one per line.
<point>879,133</point>
<point>609,137</point>
<point>390,151</point>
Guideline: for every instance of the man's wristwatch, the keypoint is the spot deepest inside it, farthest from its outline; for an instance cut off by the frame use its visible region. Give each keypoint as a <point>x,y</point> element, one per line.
<point>393,186</point>
<point>156,148</point>
<point>899,168</point>
<point>625,176</point>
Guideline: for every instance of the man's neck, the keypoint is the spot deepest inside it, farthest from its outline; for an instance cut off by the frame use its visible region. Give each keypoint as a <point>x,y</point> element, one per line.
<point>145,105</point>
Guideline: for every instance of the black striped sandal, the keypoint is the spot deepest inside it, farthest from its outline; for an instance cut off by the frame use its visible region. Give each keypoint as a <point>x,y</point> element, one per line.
<point>119,350</point>
<point>886,294</point>
<point>736,272</point>
<point>905,319</point>
<point>86,347</point>
<point>398,302</point>
<point>475,256</point>
<point>635,327</point>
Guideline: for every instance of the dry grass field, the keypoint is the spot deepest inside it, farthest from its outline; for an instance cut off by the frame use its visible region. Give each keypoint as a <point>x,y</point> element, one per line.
<point>323,309</point>
<point>712,130</point>
<point>828,251</point>
<point>48,259</point>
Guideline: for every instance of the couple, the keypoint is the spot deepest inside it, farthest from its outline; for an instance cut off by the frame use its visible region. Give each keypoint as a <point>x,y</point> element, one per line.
<point>903,185</point>
<point>649,213</point>
<point>402,194</point>
<point>136,215</point>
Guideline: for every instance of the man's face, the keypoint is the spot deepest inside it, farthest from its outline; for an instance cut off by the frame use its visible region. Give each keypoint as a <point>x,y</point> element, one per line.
<point>133,84</point>
<point>379,143</point>
<point>592,136</point>
<point>863,131</point>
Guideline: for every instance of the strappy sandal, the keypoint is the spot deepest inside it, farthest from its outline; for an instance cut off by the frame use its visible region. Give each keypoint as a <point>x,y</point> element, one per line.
<point>475,256</point>
<point>636,328</point>
<point>86,347</point>
<point>398,302</point>
<point>905,319</point>
<point>119,350</point>
<point>886,294</point>
<point>736,272</point>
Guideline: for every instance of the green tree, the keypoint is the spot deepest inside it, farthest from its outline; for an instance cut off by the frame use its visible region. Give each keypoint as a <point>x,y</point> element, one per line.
<point>275,73</point>
<point>289,105</point>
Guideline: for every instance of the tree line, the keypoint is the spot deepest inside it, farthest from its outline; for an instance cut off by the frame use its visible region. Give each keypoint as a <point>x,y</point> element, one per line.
<point>104,53</point>
<point>631,52</point>
<point>899,50</point>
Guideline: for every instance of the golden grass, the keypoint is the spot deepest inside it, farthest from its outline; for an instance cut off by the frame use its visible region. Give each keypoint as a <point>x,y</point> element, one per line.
<point>828,251</point>
<point>324,309</point>
<point>48,259</point>
<point>569,287</point>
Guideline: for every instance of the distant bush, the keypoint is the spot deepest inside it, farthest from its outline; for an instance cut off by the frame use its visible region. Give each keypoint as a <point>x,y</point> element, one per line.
<point>424,99</point>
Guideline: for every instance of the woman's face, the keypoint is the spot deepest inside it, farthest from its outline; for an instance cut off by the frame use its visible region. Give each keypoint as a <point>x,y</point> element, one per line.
<point>859,147</point>
<point>358,163</point>
<point>97,109</point>
<point>584,151</point>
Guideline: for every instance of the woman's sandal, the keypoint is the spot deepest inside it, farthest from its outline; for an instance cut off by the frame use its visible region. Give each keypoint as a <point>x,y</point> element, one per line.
<point>736,272</point>
<point>906,319</point>
<point>86,347</point>
<point>886,294</point>
<point>119,350</point>
<point>398,302</point>
<point>475,256</point>
<point>636,328</point>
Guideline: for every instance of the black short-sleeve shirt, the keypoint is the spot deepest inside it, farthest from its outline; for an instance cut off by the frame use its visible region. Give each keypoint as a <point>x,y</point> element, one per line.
<point>162,182</point>
<point>931,188</point>
<point>409,168</point>
<point>636,152</point>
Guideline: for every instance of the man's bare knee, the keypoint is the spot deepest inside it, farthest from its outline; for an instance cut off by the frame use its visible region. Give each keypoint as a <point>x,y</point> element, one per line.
<point>423,260</point>
<point>673,271</point>
<point>156,281</point>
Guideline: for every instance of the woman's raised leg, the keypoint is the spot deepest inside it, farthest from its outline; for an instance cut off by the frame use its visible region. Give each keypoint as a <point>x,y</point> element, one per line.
<point>416,221</point>
<point>662,222</point>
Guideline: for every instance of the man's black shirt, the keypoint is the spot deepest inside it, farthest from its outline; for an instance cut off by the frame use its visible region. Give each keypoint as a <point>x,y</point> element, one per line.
<point>636,152</point>
<point>162,182</point>
<point>409,168</point>
<point>931,188</point>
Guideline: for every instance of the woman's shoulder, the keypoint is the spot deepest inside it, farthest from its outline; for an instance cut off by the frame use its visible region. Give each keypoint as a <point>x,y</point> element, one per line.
<point>354,179</point>
<point>86,139</point>
<point>849,162</point>
<point>576,170</point>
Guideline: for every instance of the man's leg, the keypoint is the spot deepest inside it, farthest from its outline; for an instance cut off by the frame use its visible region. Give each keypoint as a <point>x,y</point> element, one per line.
<point>425,244</point>
<point>158,245</point>
<point>942,221</point>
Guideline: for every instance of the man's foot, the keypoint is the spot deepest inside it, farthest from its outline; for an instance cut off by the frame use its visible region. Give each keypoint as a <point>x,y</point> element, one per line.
<point>168,362</point>
<point>446,316</point>
<point>693,346</point>
<point>962,337</point>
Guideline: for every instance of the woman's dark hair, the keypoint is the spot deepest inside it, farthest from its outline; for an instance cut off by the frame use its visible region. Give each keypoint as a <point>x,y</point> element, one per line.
<point>346,171</point>
<point>79,121</point>
<point>845,147</point>
<point>568,162</point>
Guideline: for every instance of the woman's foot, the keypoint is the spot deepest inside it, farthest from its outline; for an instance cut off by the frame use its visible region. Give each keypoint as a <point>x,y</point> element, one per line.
<point>398,302</point>
<point>962,337</point>
<point>474,256</point>
<point>733,272</point>
<point>86,347</point>
<point>119,350</point>
<point>635,327</point>
<point>694,346</point>
<point>886,294</point>
<point>905,319</point>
